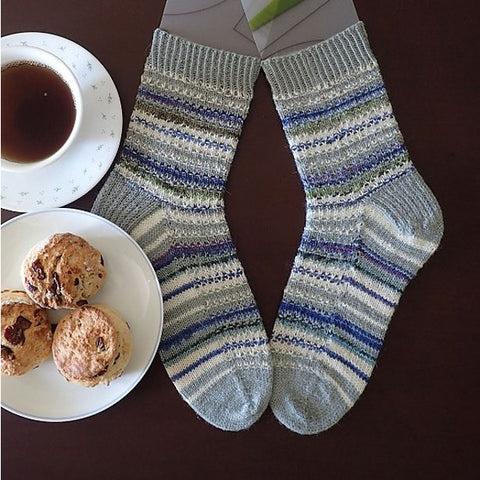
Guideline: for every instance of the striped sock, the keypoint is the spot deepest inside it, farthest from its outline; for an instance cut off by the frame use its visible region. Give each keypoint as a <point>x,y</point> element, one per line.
<point>371,223</point>
<point>167,191</point>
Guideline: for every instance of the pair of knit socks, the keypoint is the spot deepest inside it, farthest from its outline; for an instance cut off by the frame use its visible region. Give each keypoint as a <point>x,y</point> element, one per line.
<point>371,223</point>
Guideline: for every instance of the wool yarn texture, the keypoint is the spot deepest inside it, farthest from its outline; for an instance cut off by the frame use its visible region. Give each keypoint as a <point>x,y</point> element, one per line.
<point>166,191</point>
<point>371,223</point>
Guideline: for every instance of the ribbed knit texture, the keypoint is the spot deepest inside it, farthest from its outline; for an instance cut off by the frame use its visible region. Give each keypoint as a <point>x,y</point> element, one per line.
<point>371,223</point>
<point>167,191</point>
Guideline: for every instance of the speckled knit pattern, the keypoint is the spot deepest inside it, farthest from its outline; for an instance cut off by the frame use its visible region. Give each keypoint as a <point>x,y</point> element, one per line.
<point>167,192</point>
<point>371,223</point>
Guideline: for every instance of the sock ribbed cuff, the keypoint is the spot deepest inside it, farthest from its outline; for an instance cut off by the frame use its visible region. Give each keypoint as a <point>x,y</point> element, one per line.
<point>321,64</point>
<point>185,61</point>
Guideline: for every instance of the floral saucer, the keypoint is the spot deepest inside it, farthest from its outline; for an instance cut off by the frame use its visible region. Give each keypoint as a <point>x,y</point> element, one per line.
<point>89,158</point>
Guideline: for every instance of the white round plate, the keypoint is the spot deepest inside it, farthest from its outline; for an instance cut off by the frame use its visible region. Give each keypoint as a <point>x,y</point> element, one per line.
<point>131,287</point>
<point>89,158</point>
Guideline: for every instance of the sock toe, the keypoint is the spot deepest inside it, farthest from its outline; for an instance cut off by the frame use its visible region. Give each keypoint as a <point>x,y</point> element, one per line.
<point>308,402</point>
<point>236,400</point>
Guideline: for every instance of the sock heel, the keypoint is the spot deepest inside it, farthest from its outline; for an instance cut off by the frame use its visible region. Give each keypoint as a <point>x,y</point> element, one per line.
<point>408,205</point>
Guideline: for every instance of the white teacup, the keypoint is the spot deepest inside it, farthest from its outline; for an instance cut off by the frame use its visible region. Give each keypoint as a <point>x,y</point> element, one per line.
<point>18,55</point>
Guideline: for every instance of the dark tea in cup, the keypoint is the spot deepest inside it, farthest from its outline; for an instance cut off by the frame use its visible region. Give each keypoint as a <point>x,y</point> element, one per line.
<point>41,108</point>
<point>38,112</point>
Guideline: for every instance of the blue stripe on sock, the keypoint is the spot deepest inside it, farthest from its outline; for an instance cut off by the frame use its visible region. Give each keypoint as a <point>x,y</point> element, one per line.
<point>346,174</point>
<point>300,342</point>
<point>223,276</point>
<point>226,117</point>
<point>389,267</point>
<point>366,94</point>
<point>197,363</point>
<point>315,246</point>
<point>369,192</point>
<point>336,280</point>
<point>173,175</point>
<point>225,348</point>
<point>206,323</point>
<point>347,363</point>
<point>344,132</point>
<point>321,319</point>
<point>225,248</point>
<point>369,291</point>
<point>179,134</point>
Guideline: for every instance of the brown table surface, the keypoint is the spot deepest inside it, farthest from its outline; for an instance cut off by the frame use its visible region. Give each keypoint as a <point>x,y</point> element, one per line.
<point>418,417</point>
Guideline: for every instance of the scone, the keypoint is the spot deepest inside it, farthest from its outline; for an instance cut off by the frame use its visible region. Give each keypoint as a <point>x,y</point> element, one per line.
<point>63,271</point>
<point>26,333</point>
<point>91,345</point>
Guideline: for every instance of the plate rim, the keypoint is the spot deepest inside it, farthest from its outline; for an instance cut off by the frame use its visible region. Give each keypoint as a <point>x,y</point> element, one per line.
<point>158,291</point>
